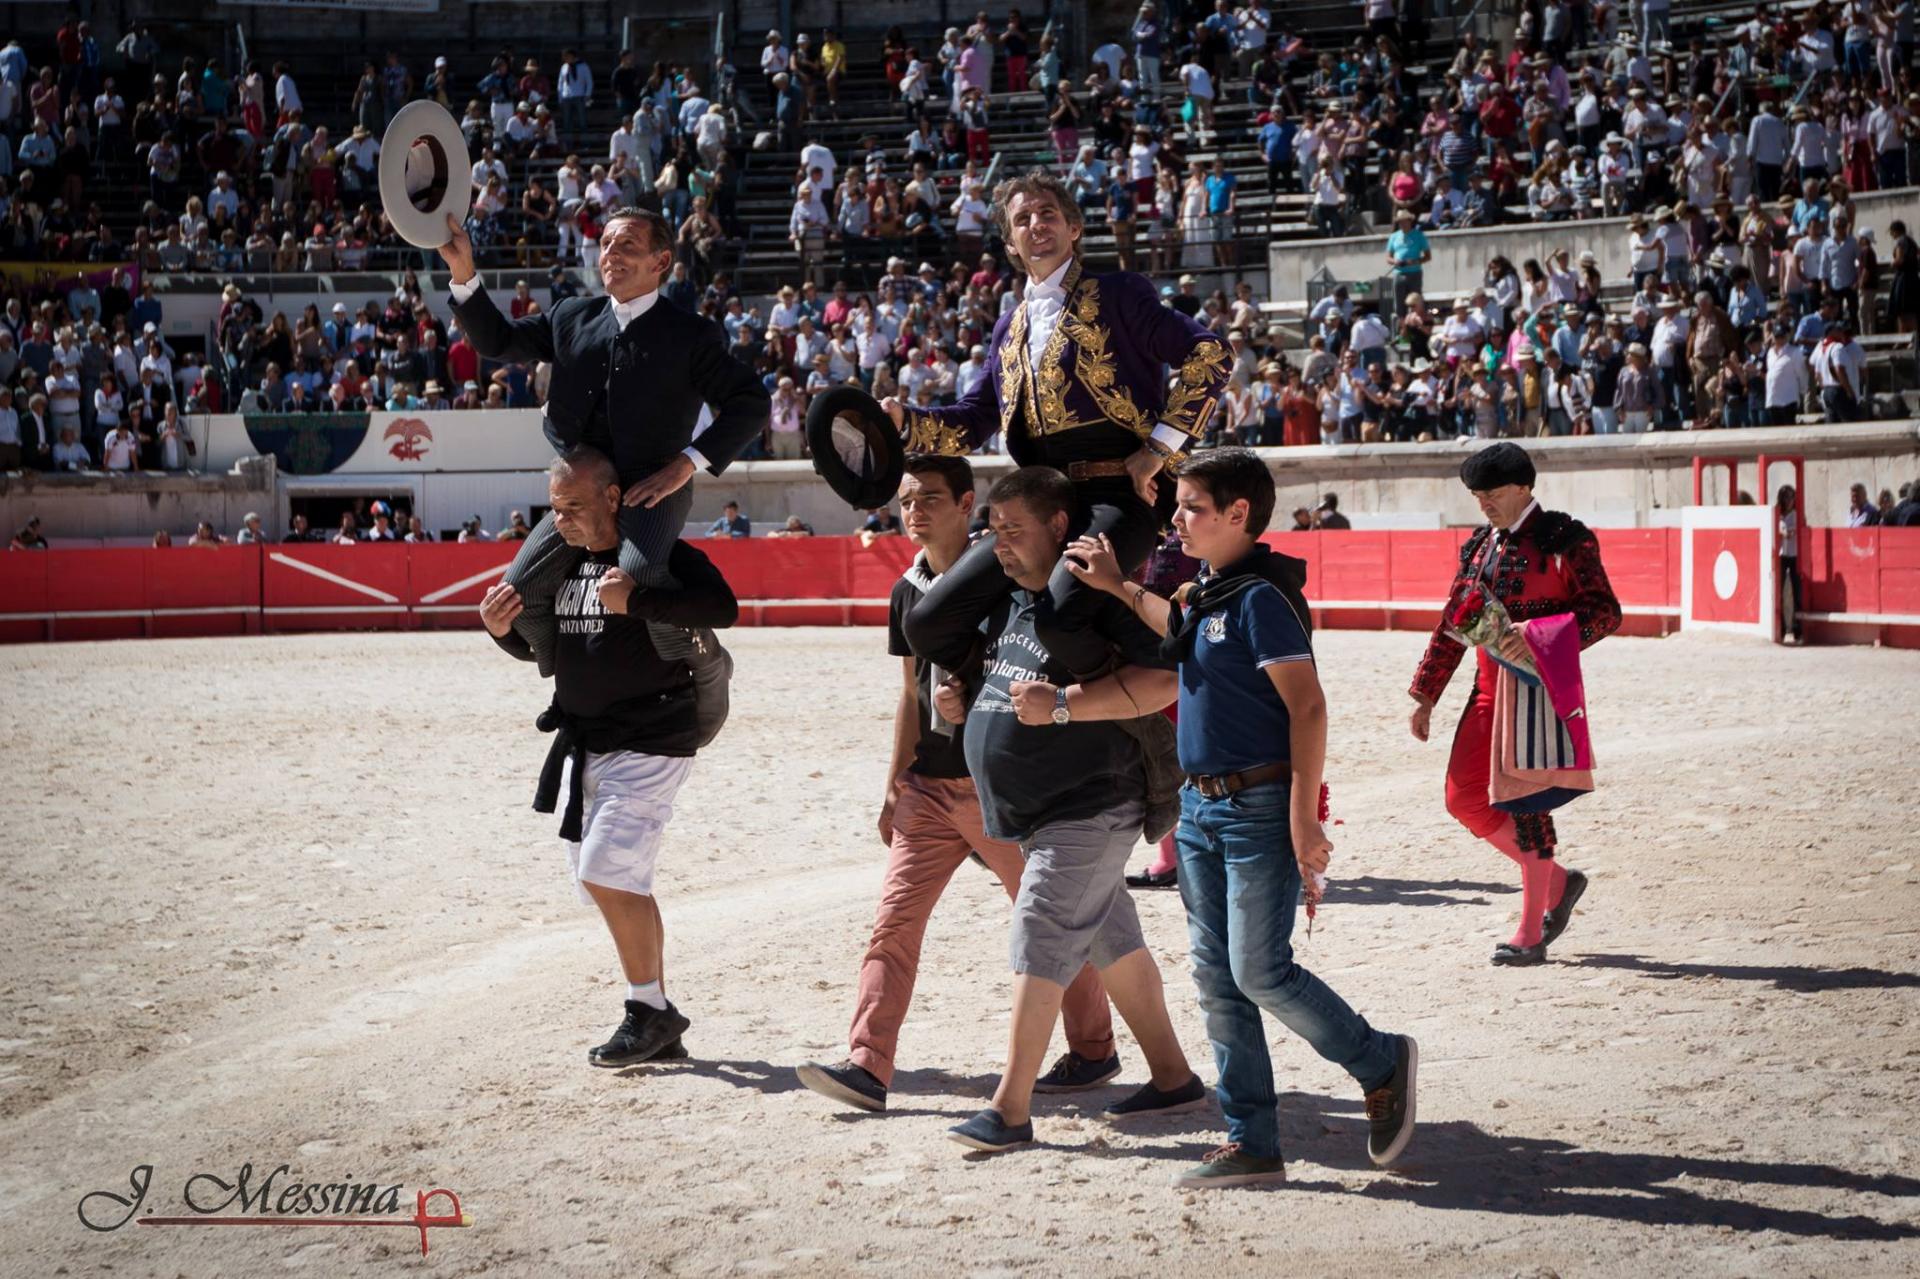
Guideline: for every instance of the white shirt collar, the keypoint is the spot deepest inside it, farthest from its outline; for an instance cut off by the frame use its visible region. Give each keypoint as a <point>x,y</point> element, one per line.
<point>625,313</point>
<point>1049,287</point>
<point>1521,522</point>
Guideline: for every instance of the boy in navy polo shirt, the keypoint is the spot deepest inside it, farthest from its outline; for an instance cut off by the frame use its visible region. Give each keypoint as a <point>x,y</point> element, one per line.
<point>1253,742</point>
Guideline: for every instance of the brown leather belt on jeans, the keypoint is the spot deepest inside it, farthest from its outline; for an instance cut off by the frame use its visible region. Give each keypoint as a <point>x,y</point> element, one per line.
<point>1228,783</point>
<point>1096,470</point>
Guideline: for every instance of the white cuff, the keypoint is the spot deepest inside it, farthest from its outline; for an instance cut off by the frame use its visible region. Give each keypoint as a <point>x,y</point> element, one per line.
<point>695,456</point>
<point>1176,440</point>
<point>461,292</point>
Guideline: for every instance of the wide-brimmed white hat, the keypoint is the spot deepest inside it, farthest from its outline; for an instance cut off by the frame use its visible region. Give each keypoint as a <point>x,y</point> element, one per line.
<point>424,173</point>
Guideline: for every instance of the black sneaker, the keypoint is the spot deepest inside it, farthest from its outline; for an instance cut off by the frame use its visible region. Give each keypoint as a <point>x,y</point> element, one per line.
<point>1148,1100</point>
<point>1073,1073</point>
<point>845,1082</point>
<point>646,1034</point>
<point>1508,955</point>
<point>1390,1108</point>
<point>1555,921</point>
<point>1148,879</point>
<point>989,1132</point>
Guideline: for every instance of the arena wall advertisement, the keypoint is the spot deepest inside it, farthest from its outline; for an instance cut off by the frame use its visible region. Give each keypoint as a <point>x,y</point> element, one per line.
<point>381,442</point>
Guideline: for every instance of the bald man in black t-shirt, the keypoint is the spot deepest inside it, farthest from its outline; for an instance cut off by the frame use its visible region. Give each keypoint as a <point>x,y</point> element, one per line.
<point>627,727</point>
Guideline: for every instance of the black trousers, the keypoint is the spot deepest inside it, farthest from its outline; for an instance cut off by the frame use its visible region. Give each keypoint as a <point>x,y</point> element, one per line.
<point>546,562</point>
<point>944,626</point>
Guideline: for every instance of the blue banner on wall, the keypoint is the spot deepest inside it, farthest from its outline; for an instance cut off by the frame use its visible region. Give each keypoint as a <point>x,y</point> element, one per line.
<point>308,443</point>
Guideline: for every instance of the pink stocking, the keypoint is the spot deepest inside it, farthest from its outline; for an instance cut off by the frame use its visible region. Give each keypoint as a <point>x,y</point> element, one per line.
<point>1167,859</point>
<point>1536,880</point>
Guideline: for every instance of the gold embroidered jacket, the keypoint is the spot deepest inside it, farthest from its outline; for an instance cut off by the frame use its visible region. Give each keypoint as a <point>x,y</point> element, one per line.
<point>1101,387</point>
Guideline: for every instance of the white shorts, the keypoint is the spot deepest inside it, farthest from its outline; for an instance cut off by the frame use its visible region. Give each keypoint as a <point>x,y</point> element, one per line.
<point>627,799</point>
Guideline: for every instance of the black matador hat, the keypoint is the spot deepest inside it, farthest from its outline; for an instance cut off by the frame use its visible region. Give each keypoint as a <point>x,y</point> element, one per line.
<point>856,448</point>
<point>1495,465</point>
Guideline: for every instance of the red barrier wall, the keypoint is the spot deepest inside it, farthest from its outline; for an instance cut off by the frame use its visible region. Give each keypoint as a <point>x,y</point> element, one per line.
<point>1354,578</point>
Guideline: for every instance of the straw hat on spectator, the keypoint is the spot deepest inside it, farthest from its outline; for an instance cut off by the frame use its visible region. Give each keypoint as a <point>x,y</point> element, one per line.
<point>1669,303</point>
<point>1587,258</point>
<point>1460,304</point>
<point>1524,351</point>
<point>432,387</point>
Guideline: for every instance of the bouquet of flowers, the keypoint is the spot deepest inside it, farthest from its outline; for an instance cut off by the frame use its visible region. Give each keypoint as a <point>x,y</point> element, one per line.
<point>1479,619</point>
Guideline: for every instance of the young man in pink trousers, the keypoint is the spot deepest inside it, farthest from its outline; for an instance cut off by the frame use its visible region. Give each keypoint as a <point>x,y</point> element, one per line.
<point>931,821</point>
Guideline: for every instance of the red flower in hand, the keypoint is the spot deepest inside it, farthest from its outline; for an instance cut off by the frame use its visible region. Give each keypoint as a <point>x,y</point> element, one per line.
<point>1469,607</point>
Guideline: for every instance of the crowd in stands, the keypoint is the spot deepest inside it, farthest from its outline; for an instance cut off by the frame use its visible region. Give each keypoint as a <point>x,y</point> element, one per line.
<point>1739,156</point>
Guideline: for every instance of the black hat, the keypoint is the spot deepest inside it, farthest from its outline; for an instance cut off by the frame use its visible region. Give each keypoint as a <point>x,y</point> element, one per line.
<point>856,448</point>
<point>1495,465</point>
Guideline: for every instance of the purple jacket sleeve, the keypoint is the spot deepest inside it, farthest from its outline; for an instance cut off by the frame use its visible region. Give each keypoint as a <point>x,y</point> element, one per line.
<point>1201,361</point>
<point>963,426</point>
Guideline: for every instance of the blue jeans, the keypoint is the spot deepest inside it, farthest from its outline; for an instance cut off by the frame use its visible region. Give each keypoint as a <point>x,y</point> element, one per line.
<point>1240,885</point>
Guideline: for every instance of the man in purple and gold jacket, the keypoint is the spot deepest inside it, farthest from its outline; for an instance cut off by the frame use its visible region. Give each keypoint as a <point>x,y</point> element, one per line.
<point>1077,380</point>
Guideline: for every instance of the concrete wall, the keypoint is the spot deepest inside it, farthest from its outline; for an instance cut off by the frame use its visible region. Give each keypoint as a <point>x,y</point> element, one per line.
<point>1460,257</point>
<point>83,507</point>
<point>1633,482</point>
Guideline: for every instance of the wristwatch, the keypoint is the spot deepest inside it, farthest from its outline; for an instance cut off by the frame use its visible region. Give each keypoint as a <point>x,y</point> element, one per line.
<point>1061,714</point>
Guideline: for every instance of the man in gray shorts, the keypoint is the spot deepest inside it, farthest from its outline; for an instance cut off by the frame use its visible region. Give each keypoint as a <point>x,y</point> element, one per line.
<point>1056,774</point>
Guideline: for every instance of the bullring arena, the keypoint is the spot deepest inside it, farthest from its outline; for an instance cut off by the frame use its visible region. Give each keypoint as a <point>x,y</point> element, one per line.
<point>294,979</point>
<point>281,900</point>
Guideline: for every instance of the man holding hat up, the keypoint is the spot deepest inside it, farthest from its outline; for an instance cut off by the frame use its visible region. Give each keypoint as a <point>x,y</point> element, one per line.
<point>630,375</point>
<point>1536,563</point>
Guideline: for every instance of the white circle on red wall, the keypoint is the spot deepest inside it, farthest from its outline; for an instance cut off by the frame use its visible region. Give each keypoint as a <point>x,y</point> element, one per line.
<point>1726,574</point>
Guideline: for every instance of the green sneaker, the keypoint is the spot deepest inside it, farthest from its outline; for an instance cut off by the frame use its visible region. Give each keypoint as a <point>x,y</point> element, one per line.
<point>1231,1166</point>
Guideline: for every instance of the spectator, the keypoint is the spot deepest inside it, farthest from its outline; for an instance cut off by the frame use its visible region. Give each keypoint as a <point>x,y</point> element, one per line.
<point>1861,512</point>
<point>29,538</point>
<point>11,452</point>
<point>731,523</point>
<point>1840,365</point>
<point>250,530</point>
<point>794,527</point>
<point>70,454</point>
<point>1328,515</point>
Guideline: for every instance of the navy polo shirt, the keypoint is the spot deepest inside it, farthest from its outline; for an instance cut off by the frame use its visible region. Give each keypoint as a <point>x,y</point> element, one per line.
<point>1231,717</point>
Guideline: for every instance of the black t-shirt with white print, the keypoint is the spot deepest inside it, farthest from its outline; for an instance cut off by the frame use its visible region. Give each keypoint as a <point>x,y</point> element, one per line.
<point>606,669</point>
<point>941,750</point>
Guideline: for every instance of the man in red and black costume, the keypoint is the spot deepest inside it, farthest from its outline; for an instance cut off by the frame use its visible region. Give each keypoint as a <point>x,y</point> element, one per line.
<point>1537,563</point>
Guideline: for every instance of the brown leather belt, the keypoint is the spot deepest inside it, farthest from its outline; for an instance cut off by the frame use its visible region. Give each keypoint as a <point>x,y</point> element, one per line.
<point>1228,783</point>
<point>1096,470</point>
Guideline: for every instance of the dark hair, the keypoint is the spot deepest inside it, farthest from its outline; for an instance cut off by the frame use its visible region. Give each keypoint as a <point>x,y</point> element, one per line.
<point>1228,475</point>
<point>1034,182</point>
<point>659,233</point>
<point>1784,498</point>
<point>1046,491</point>
<point>956,471</point>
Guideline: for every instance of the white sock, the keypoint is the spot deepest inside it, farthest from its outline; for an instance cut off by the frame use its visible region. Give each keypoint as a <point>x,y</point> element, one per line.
<point>649,994</point>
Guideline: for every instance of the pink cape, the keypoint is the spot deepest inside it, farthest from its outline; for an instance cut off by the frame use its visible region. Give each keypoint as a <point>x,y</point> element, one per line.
<point>1562,758</point>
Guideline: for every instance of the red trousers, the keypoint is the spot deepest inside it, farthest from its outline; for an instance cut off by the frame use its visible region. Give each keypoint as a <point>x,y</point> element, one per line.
<point>936,823</point>
<point>1469,770</point>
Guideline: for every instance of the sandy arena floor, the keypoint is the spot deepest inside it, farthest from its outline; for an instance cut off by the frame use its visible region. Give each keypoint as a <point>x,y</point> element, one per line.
<point>283,901</point>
